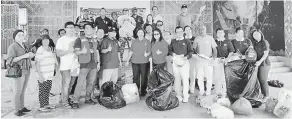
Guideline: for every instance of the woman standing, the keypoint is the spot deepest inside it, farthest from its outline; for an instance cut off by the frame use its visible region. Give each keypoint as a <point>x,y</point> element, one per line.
<point>19,53</point>
<point>140,52</point>
<point>46,63</point>
<point>261,47</point>
<point>159,50</point>
<point>149,32</point>
<point>150,21</point>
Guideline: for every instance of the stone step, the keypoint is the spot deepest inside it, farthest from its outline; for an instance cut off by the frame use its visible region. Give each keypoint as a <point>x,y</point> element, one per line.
<point>280,69</point>
<point>273,58</point>
<point>277,64</point>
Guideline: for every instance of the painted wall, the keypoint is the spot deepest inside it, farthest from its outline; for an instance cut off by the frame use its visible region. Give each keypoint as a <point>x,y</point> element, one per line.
<point>288,27</point>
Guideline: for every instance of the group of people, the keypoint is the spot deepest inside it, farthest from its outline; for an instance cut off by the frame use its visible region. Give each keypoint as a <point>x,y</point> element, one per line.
<point>97,49</point>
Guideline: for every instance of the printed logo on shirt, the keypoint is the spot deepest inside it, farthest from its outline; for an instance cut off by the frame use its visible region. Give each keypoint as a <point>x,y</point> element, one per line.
<point>225,45</point>
<point>83,40</point>
<point>183,44</point>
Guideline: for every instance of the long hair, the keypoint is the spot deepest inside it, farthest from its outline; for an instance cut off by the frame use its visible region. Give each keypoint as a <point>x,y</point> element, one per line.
<point>141,30</point>
<point>147,18</point>
<point>51,42</point>
<point>160,38</point>
<point>265,44</point>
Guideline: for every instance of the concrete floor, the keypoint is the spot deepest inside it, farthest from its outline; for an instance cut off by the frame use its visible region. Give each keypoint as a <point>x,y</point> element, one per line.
<point>136,110</point>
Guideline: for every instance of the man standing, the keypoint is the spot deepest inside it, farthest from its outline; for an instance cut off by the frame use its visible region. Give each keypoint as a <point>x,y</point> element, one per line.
<point>138,19</point>
<point>205,47</point>
<point>110,57</point>
<point>115,23</point>
<point>66,53</point>
<point>103,22</point>
<point>84,19</point>
<point>127,24</point>
<point>184,19</point>
<point>156,16</point>
<point>88,55</point>
<point>181,51</point>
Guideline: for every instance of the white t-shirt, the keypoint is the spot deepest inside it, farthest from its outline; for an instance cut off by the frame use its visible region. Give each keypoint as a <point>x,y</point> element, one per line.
<point>156,18</point>
<point>64,43</point>
<point>204,45</point>
<point>47,60</point>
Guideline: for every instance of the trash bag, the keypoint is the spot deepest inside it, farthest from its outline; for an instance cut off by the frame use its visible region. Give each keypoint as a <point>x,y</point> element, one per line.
<point>131,93</point>
<point>271,104</point>
<point>221,112</point>
<point>284,107</point>
<point>111,96</point>
<point>242,106</point>
<point>162,97</point>
<point>242,80</point>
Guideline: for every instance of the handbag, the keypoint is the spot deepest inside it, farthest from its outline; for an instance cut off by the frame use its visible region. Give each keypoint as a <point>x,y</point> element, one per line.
<point>13,70</point>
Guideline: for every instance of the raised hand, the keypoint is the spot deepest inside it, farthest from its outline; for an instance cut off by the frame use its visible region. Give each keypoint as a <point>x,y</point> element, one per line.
<point>158,52</point>
<point>145,54</point>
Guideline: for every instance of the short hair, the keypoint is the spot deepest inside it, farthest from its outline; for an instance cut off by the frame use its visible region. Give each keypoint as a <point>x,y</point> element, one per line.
<point>153,7</point>
<point>69,23</point>
<point>168,32</point>
<point>44,29</point>
<point>103,9</point>
<point>90,24</point>
<point>77,25</point>
<point>159,21</point>
<point>219,29</point>
<point>16,32</point>
<point>139,30</point>
<point>187,27</point>
<point>59,32</point>
<point>114,13</point>
<point>237,29</point>
<point>178,27</point>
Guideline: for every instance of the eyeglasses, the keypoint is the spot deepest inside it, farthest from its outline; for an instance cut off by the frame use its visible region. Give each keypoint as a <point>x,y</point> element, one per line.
<point>159,24</point>
<point>157,34</point>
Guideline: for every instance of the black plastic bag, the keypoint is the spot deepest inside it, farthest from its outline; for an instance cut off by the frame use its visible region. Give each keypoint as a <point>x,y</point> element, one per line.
<point>242,80</point>
<point>162,97</point>
<point>111,96</point>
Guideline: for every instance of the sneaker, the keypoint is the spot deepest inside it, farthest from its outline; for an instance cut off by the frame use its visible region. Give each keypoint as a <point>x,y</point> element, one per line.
<point>75,105</point>
<point>90,101</point>
<point>19,113</point>
<point>50,107</point>
<point>43,109</point>
<point>186,99</point>
<point>25,110</point>
<point>179,98</point>
<point>66,105</point>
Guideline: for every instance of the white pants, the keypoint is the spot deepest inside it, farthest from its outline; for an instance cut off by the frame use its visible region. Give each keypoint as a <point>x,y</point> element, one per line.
<point>220,83</point>
<point>193,73</point>
<point>204,70</point>
<point>110,75</point>
<point>181,75</point>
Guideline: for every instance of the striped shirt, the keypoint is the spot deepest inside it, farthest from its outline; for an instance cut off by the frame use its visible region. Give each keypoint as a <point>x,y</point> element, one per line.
<point>47,60</point>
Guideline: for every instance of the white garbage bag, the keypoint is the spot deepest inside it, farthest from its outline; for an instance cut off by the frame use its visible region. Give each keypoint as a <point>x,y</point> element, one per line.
<point>131,93</point>
<point>220,112</point>
<point>284,107</point>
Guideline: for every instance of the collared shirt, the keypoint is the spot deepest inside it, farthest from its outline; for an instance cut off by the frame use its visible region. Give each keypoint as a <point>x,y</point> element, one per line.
<point>184,20</point>
<point>103,23</point>
<point>192,39</point>
<point>181,47</point>
<point>110,60</point>
<point>138,48</point>
<point>224,48</point>
<point>241,46</point>
<point>260,48</point>
<point>139,21</point>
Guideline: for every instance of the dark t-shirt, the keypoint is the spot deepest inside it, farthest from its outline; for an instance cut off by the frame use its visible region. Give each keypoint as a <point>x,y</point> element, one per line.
<point>260,48</point>
<point>242,46</point>
<point>83,21</point>
<point>110,60</point>
<point>92,64</point>
<point>103,23</point>
<point>224,48</point>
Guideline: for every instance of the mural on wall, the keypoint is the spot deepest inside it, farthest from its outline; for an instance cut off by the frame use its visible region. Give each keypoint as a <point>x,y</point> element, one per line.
<point>263,14</point>
<point>95,12</point>
<point>288,27</point>
<point>170,9</point>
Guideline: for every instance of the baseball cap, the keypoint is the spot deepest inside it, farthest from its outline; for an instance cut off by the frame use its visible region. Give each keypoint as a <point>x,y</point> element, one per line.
<point>184,6</point>
<point>112,29</point>
<point>125,9</point>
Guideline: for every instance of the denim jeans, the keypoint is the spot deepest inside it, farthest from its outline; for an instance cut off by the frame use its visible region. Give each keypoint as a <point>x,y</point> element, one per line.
<point>87,75</point>
<point>66,79</point>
